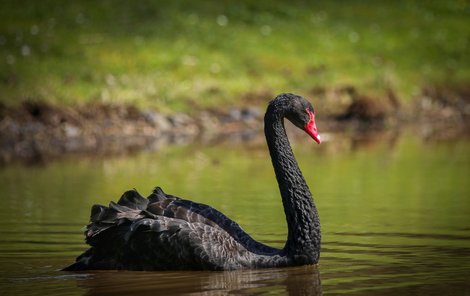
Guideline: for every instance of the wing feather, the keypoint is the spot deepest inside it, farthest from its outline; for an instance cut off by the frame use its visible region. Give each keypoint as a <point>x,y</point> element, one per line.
<point>162,232</point>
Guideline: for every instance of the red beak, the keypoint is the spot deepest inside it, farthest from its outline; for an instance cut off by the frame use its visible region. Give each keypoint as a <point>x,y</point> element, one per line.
<point>311,128</point>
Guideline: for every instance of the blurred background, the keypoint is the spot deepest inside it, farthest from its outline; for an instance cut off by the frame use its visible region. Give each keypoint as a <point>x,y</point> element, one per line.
<point>157,67</point>
<point>97,97</point>
<point>172,54</point>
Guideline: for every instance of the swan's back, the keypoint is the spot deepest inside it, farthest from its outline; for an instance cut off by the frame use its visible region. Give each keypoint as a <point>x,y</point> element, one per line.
<point>163,232</point>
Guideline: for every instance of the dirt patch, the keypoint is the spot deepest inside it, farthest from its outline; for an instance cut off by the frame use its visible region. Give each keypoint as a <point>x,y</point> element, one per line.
<point>444,105</point>
<point>347,103</point>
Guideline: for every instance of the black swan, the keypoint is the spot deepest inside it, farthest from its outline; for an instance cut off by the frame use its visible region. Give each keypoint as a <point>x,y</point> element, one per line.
<point>165,232</point>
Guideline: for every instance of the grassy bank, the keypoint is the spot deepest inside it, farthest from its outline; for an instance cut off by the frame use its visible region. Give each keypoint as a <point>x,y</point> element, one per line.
<point>173,54</point>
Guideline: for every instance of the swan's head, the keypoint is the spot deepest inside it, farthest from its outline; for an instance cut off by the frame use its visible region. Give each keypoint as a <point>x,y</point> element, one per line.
<point>301,113</point>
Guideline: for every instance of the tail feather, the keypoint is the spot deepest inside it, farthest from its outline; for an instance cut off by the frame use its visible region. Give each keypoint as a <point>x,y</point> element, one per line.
<point>96,212</point>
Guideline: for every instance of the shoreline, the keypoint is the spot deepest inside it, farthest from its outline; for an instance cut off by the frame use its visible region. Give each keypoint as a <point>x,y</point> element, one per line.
<point>36,131</point>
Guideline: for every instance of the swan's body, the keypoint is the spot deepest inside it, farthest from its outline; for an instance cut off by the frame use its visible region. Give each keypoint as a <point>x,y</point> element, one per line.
<point>164,232</point>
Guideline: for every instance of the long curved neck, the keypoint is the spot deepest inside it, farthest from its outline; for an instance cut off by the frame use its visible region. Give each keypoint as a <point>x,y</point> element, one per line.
<point>303,241</point>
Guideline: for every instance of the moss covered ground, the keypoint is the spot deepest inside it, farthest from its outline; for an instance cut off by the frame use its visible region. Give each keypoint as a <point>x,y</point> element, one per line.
<point>173,55</point>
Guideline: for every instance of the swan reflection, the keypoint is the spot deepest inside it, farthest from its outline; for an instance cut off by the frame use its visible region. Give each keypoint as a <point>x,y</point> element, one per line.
<point>304,280</point>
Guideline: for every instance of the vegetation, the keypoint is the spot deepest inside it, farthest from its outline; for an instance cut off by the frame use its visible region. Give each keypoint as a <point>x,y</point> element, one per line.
<point>174,54</point>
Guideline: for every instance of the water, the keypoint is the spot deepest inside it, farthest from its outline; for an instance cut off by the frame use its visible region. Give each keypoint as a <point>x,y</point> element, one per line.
<point>394,210</point>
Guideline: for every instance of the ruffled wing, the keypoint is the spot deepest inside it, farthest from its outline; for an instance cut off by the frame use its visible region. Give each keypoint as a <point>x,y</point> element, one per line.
<point>164,232</point>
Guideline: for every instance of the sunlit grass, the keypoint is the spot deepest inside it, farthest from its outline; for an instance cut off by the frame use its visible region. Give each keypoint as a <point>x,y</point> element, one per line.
<point>166,54</point>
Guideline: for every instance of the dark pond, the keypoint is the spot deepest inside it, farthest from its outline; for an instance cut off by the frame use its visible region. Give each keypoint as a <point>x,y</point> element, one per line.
<point>395,213</point>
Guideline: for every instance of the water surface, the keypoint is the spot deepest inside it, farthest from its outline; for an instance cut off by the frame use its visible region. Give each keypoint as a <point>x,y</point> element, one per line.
<point>394,210</point>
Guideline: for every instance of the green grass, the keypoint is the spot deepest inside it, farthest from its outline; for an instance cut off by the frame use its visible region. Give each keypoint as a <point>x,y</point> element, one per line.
<point>172,54</point>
